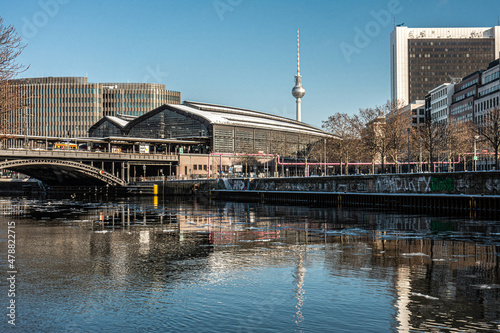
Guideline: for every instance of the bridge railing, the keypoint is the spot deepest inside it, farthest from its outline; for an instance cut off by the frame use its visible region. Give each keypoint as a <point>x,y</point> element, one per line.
<point>84,154</point>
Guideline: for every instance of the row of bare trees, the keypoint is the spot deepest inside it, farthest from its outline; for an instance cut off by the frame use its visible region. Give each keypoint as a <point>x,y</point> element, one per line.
<point>386,136</point>
<point>11,96</point>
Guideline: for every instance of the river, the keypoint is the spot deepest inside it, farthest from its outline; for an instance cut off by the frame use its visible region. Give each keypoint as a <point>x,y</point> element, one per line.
<point>165,265</point>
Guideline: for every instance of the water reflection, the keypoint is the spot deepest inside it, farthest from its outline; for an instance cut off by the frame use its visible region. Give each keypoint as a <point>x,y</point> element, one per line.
<point>299,290</point>
<point>260,265</point>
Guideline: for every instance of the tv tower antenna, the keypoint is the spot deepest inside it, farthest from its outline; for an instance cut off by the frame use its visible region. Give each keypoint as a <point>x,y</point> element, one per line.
<point>298,91</point>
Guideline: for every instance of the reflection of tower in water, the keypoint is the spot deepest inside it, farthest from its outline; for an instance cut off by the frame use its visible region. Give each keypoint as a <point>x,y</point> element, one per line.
<point>299,289</point>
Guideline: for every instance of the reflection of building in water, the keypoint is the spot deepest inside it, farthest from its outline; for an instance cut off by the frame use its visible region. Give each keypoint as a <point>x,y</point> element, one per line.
<point>431,277</point>
<point>437,270</point>
<point>223,226</point>
<point>13,208</point>
<point>403,291</point>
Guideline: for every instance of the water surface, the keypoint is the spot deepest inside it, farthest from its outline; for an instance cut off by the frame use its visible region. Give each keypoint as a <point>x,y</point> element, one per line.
<point>181,266</point>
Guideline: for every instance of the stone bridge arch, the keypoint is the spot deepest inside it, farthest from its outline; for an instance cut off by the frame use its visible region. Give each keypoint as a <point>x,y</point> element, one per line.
<point>63,172</point>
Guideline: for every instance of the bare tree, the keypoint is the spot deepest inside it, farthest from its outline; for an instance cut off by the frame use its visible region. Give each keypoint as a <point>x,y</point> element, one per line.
<point>489,130</point>
<point>11,96</point>
<point>458,140</point>
<point>430,134</point>
<point>398,125</point>
<point>342,126</point>
<point>374,133</point>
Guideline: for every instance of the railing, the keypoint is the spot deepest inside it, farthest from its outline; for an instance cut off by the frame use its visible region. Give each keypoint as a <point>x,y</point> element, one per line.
<point>86,169</point>
<point>84,155</point>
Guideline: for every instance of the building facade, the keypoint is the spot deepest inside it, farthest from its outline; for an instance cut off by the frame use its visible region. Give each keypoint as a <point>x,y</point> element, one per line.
<point>417,112</point>
<point>212,139</point>
<point>488,92</point>
<point>69,106</point>
<point>462,102</point>
<point>218,128</point>
<point>424,58</point>
<point>135,99</point>
<point>440,103</point>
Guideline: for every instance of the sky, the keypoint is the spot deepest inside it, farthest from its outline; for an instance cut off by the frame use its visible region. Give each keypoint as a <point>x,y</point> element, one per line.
<point>241,53</point>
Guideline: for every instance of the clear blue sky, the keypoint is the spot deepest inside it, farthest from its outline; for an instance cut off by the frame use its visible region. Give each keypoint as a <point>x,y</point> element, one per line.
<point>234,52</point>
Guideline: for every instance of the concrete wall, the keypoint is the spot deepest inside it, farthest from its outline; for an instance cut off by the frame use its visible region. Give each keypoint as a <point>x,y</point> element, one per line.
<point>477,183</point>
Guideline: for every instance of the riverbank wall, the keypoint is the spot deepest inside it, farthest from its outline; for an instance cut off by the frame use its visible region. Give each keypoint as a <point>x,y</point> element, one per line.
<point>19,187</point>
<point>461,193</point>
<point>458,183</point>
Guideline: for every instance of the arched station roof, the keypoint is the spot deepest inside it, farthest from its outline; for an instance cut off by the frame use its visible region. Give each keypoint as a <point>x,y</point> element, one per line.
<point>232,116</point>
<point>213,114</point>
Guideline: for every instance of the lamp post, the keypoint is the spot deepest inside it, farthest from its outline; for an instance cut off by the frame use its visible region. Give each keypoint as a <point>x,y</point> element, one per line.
<point>408,129</point>
<point>476,137</point>
<point>324,155</point>
<point>25,113</point>
<point>420,141</point>
<point>347,164</point>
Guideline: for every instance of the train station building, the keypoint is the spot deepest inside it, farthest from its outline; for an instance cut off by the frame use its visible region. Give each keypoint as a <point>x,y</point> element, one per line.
<point>212,138</point>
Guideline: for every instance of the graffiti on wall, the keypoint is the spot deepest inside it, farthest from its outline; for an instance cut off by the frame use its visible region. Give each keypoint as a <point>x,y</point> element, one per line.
<point>233,184</point>
<point>493,185</point>
<point>395,184</point>
<point>439,184</point>
<point>458,184</point>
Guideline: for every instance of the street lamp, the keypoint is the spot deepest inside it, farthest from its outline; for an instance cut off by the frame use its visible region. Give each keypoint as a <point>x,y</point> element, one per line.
<point>408,129</point>
<point>324,155</point>
<point>25,114</point>
<point>476,137</point>
<point>420,139</point>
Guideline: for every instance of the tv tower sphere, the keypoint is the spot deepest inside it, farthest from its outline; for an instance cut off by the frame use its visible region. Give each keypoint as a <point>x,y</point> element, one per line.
<point>298,91</point>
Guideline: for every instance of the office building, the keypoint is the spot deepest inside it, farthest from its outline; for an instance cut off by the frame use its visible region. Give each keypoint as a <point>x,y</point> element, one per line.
<point>135,99</point>
<point>425,58</point>
<point>68,106</point>
<point>417,112</point>
<point>488,92</point>
<point>441,98</point>
<point>462,103</point>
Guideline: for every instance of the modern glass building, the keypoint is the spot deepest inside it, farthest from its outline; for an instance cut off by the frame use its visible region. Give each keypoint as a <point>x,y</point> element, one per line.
<point>68,106</point>
<point>135,99</point>
<point>425,58</point>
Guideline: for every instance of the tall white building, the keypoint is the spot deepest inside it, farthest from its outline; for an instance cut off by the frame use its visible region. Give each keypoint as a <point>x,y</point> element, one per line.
<point>424,58</point>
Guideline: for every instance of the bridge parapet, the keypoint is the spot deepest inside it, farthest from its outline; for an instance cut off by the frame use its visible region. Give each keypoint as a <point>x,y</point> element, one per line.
<point>93,172</point>
<point>84,155</point>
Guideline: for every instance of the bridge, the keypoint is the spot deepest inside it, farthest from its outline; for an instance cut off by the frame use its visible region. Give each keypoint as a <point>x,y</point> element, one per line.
<point>85,168</point>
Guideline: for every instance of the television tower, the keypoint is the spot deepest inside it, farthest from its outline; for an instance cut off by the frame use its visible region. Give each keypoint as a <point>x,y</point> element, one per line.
<point>298,91</point>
